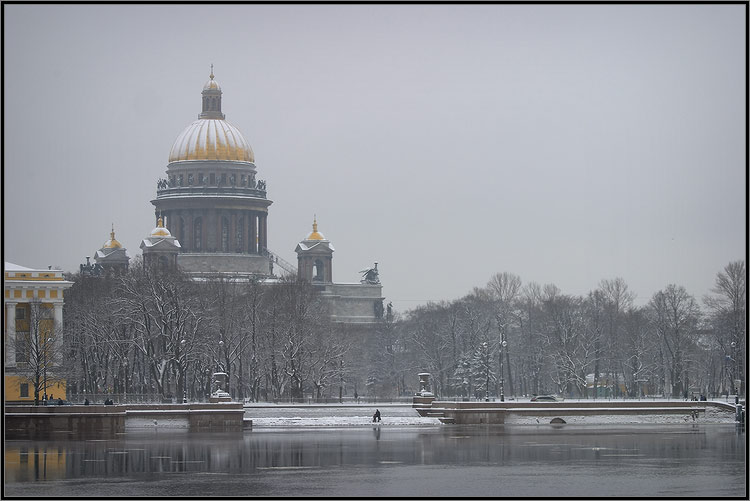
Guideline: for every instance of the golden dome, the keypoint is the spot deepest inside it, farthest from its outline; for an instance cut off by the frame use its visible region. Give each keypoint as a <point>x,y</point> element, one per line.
<point>112,243</point>
<point>212,84</point>
<point>211,139</point>
<point>160,230</point>
<point>315,235</point>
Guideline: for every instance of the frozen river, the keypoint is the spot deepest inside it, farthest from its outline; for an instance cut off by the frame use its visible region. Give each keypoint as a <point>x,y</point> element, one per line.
<point>389,460</point>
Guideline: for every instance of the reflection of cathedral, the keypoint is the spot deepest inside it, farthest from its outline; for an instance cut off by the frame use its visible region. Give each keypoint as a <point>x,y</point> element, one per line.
<point>210,200</point>
<point>212,216</point>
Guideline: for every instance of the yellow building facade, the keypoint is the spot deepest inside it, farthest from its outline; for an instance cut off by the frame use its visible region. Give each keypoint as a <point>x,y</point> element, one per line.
<point>32,302</point>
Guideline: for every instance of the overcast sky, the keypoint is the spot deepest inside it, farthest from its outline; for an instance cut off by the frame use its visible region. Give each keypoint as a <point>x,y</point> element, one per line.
<point>564,143</point>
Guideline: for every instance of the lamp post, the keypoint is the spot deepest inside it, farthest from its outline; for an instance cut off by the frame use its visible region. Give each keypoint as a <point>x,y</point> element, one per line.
<point>503,344</point>
<point>341,382</point>
<point>125,380</point>
<point>184,372</point>
<point>736,375</point>
<point>486,356</point>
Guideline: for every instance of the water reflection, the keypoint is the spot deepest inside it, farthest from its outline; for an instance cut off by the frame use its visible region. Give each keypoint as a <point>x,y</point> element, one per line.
<point>153,454</point>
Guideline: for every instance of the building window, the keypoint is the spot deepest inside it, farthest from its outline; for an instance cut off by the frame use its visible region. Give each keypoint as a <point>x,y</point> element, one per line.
<point>212,179</point>
<point>190,179</point>
<point>20,313</point>
<point>224,178</point>
<point>201,179</point>
<point>24,390</point>
<point>197,227</point>
<point>224,234</point>
<point>180,180</point>
<point>23,341</point>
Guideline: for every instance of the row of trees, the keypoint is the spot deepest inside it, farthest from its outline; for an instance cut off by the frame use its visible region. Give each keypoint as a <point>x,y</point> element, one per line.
<point>151,332</point>
<point>162,334</point>
<point>532,339</point>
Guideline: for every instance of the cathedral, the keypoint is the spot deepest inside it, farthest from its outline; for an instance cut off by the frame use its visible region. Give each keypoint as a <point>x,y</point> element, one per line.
<point>210,200</point>
<point>211,215</point>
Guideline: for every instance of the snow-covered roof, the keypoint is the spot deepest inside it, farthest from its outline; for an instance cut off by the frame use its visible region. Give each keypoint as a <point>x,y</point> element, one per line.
<point>306,245</point>
<point>15,267</point>
<point>156,242</point>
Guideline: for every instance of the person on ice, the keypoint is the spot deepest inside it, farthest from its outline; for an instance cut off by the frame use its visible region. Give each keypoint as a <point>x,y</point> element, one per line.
<point>376,416</point>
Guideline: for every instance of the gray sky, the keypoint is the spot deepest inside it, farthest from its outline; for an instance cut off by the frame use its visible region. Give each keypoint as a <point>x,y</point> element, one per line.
<point>563,143</point>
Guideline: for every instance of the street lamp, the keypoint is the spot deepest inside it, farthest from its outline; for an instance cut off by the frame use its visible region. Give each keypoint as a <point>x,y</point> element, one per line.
<point>736,375</point>
<point>125,380</point>
<point>184,373</point>
<point>341,382</point>
<point>503,344</point>
<point>486,356</point>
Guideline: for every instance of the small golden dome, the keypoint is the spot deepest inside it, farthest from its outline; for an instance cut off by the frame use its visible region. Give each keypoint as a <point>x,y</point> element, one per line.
<point>160,230</point>
<point>315,235</point>
<point>112,243</point>
<point>212,84</point>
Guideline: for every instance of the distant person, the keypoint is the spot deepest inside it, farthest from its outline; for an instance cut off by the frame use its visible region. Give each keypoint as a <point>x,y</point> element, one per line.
<point>376,416</point>
<point>59,401</point>
<point>86,402</point>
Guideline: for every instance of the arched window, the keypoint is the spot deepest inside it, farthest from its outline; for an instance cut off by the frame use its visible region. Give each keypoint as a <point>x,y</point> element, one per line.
<point>224,234</point>
<point>197,227</point>
<point>318,271</point>
<point>240,234</point>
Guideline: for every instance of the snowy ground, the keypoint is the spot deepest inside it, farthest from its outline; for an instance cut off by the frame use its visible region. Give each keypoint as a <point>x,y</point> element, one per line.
<point>334,415</point>
<point>337,415</point>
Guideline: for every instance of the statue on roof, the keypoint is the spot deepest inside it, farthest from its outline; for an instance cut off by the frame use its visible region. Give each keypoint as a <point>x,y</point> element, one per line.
<point>370,276</point>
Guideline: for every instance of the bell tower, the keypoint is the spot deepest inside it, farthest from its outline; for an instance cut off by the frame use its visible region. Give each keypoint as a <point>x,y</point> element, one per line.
<point>315,257</point>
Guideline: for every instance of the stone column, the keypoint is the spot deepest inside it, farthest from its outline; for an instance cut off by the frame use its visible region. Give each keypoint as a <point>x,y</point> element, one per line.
<point>187,245</point>
<point>10,335</point>
<point>252,233</point>
<point>232,232</point>
<point>263,232</point>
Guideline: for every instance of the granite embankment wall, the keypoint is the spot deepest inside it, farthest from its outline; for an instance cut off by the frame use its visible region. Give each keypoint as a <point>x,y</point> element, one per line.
<point>109,420</point>
<point>590,411</point>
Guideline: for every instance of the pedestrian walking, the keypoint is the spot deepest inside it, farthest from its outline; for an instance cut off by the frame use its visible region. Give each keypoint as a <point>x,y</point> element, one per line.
<point>376,416</point>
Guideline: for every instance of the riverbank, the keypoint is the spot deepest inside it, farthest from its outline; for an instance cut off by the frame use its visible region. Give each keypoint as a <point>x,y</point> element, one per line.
<point>345,415</point>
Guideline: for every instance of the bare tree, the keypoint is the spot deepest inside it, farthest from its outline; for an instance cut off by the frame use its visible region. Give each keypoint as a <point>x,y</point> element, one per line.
<point>39,354</point>
<point>675,316</point>
<point>728,316</point>
<point>504,290</point>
